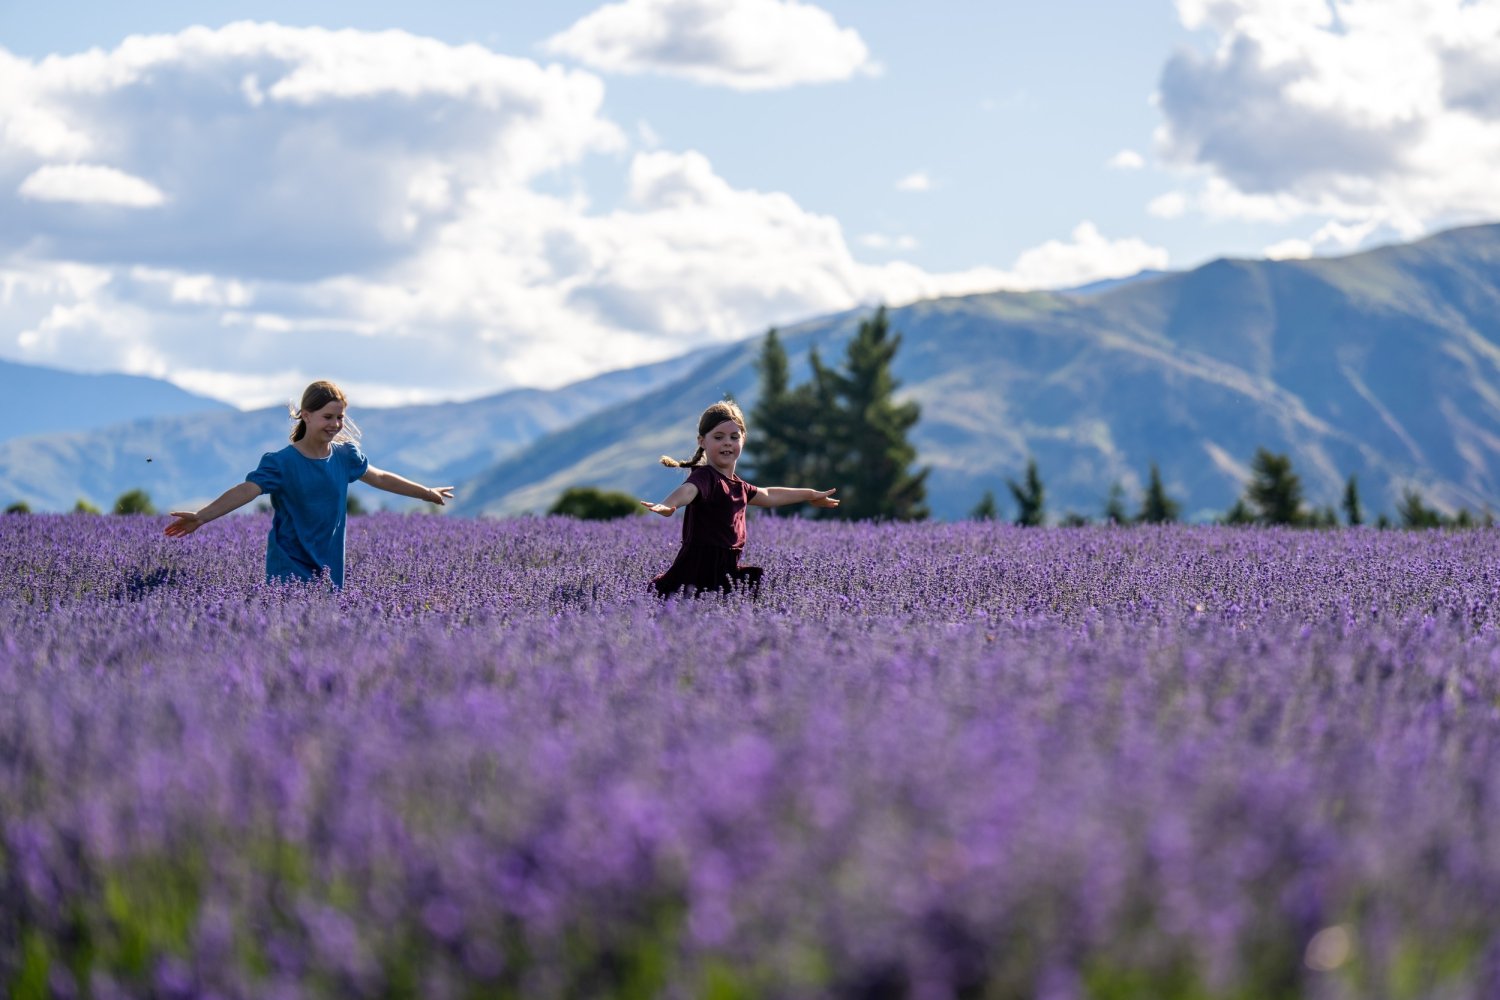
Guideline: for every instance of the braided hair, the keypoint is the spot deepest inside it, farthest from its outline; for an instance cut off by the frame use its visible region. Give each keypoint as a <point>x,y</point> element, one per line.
<point>712,417</point>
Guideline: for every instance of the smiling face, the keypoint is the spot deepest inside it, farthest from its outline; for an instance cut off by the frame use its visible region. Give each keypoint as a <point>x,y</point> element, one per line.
<point>325,424</point>
<point>722,446</point>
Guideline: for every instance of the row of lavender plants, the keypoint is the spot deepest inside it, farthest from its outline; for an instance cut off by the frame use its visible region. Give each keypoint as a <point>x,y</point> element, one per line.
<point>926,760</point>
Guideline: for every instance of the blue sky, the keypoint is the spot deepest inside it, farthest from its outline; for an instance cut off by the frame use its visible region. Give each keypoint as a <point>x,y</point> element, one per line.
<point>441,200</point>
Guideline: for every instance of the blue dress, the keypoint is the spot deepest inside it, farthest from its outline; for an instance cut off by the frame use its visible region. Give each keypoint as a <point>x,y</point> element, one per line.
<point>309,497</point>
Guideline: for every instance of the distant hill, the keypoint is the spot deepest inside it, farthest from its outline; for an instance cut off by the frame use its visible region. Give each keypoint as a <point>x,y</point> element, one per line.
<point>1385,364</point>
<point>187,460</point>
<point>1108,284</point>
<point>39,400</point>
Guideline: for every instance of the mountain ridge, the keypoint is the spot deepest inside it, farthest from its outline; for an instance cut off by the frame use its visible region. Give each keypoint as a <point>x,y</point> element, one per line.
<point>1384,364</point>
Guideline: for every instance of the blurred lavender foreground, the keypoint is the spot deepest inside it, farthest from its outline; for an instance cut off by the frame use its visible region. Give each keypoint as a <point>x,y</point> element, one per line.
<point>930,761</point>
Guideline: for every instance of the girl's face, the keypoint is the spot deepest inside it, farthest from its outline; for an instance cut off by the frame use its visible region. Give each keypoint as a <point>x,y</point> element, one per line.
<point>324,425</point>
<point>722,445</point>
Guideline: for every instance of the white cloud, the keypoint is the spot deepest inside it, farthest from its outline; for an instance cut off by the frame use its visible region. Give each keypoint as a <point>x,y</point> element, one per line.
<point>1373,113</point>
<point>1172,205</point>
<point>918,181</point>
<point>1127,159</point>
<point>1292,249</point>
<point>90,184</point>
<point>881,241</point>
<point>1089,257</point>
<point>375,208</point>
<point>743,44</point>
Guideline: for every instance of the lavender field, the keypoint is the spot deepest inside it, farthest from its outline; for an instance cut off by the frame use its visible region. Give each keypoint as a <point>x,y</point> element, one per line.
<point>930,761</point>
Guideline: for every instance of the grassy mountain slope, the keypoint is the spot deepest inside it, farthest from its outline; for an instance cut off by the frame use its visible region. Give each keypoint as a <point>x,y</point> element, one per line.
<point>193,458</point>
<point>1385,364</point>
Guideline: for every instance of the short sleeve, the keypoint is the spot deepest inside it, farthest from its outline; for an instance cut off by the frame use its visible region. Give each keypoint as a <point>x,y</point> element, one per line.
<point>355,462</point>
<point>701,478</point>
<point>750,490</point>
<point>267,475</point>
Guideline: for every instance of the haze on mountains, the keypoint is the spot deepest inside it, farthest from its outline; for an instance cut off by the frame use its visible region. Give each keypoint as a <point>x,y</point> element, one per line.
<point>1384,364</point>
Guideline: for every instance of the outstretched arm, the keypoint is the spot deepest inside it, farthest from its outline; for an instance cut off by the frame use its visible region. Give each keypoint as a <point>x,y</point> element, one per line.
<point>392,483</point>
<point>780,496</point>
<point>189,521</point>
<point>680,497</point>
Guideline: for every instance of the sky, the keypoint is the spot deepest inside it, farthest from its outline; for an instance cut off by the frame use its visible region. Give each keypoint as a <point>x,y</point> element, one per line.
<point>439,201</point>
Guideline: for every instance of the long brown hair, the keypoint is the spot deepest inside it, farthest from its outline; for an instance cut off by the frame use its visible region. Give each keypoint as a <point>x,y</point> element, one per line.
<point>712,417</point>
<point>314,398</point>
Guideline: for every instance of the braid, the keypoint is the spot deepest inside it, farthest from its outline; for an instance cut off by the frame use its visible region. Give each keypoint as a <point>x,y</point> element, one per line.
<point>673,463</point>
<point>712,417</point>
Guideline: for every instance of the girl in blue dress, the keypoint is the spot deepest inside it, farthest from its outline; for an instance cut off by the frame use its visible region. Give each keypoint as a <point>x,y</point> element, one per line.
<point>308,483</point>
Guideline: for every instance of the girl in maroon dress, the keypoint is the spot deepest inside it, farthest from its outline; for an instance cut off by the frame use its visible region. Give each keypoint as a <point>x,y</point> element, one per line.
<point>713,526</point>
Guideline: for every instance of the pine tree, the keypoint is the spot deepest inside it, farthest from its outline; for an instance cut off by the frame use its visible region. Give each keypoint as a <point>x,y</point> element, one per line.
<point>1274,491</point>
<point>1114,505</point>
<point>776,445</point>
<point>1353,512</point>
<point>1156,506</point>
<point>986,509</point>
<point>1416,514</point>
<point>815,419</point>
<point>1239,514</point>
<point>1030,498</point>
<point>877,482</point>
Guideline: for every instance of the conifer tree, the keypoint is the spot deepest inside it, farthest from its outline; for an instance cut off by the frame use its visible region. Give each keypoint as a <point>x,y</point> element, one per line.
<point>775,446</point>
<point>1416,514</point>
<point>1114,505</point>
<point>1274,491</point>
<point>986,509</point>
<point>878,481</point>
<point>1030,497</point>
<point>1156,506</point>
<point>819,436</point>
<point>1239,514</point>
<point>1353,512</point>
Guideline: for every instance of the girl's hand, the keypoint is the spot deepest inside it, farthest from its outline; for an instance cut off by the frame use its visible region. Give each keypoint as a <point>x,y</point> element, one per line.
<point>440,494</point>
<point>659,508</point>
<point>187,522</point>
<point>824,498</point>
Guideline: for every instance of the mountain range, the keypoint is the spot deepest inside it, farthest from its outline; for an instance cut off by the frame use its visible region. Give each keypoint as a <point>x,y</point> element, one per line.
<point>37,400</point>
<point>1383,364</point>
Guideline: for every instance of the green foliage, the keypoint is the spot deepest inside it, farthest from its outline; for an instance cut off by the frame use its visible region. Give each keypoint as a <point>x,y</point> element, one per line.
<point>877,481</point>
<point>985,509</point>
<point>841,428</point>
<point>1114,505</point>
<point>1238,515</point>
<point>1323,517</point>
<point>774,447</point>
<point>84,507</point>
<point>353,508</point>
<point>19,507</point>
<point>1031,497</point>
<point>1156,506</point>
<point>588,503</point>
<point>1353,512</point>
<point>135,501</point>
<point>1274,492</point>
<point>1415,514</point>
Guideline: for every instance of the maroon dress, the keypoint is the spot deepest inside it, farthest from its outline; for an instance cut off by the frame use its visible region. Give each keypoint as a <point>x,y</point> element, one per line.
<point>713,536</point>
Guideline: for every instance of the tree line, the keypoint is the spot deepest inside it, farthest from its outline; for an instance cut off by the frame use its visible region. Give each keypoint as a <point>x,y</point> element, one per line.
<point>844,426</point>
<point>138,501</point>
<point>1272,496</point>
